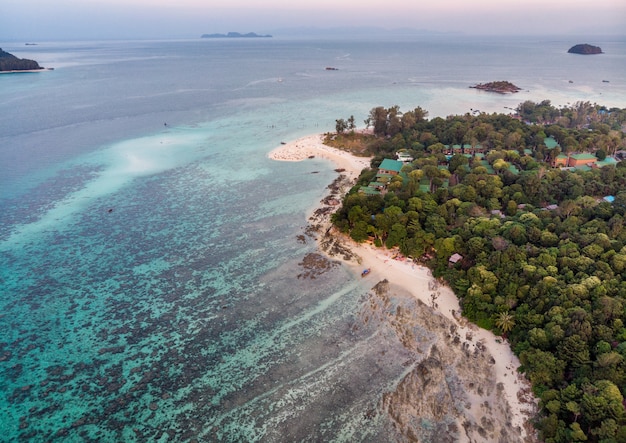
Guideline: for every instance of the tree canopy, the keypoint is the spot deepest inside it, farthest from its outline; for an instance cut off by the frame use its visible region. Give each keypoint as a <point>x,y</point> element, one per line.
<point>543,254</point>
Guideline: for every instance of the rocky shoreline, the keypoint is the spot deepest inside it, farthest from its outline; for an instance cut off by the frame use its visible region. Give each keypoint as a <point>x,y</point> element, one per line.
<point>460,379</point>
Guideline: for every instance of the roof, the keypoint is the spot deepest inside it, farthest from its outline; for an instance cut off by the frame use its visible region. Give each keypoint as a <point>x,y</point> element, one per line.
<point>391,165</point>
<point>455,258</point>
<point>377,185</point>
<point>609,161</point>
<point>550,142</point>
<point>369,191</point>
<point>487,166</point>
<point>584,156</point>
<point>513,169</point>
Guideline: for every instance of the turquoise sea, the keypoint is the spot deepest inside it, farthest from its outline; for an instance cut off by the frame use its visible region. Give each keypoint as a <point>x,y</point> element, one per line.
<point>153,284</point>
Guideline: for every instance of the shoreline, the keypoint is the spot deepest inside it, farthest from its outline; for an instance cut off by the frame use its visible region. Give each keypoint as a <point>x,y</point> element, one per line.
<point>26,71</point>
<point>416,280</point>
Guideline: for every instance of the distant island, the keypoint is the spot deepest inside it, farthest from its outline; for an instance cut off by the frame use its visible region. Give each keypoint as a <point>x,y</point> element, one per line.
<point>501,87</point>
<point>585,49</point>
<point>9,62</point>
<point>236,35</point>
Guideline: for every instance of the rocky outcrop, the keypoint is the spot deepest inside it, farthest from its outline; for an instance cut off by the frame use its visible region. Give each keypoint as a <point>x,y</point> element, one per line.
<point>449,392</point>
<point>585,49</point>
<point>9,62</point>
<point>501,87</point>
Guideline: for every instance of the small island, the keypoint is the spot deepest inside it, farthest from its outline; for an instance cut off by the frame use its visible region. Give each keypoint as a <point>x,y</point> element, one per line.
<point>501,87</point>
<point>585,49</point>
<point>236,35</point>
<point>10,63</point>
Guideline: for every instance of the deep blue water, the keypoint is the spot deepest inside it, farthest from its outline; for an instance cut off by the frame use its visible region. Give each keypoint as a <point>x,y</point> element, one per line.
<point>149,251</point>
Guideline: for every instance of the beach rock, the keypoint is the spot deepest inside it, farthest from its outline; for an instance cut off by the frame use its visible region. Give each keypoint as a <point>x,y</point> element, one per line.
<point>445,396</point>
<point>315,265</point>
<point>585,49</point>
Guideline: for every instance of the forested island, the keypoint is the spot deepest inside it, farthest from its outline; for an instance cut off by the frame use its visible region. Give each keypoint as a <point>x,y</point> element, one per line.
<point>585,49</point>
<point>534,248</point>
<point>236,35</point>
<point>9,62</point>
<point>501,87</point>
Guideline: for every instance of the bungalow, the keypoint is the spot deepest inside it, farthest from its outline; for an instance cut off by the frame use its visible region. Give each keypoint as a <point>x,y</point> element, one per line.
<point>513,169</point>
<point>466,149</point>
<point>561,160</point>
<point>404,157</point>
<point>551,143</point>
<point>577,160</point>
<point>390,167</point>
<point>454,259</point>
<point>367,190</point>
<point>608,161</point>
<point>386,171</point>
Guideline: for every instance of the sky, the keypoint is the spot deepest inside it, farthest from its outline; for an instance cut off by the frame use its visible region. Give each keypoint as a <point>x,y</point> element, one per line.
<point>31,20</point>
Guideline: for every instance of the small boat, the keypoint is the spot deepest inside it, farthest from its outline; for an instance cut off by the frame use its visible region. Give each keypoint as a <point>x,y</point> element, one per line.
<point>365,272</point>
<point>605,81</point>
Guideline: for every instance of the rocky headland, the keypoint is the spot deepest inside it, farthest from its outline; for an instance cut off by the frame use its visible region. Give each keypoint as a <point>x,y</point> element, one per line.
<point>501,87</point>
<point>9,62</point>
<point>585,49</point>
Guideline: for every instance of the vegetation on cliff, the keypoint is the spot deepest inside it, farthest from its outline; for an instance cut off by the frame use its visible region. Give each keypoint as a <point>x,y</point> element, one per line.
<point>585,49</point>
<point>543,252</point>
<point>9,62</point>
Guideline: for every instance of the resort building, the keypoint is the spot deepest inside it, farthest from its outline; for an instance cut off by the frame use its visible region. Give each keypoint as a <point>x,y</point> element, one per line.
<point>404,157</point>
<point>390,167</point>
<point>577,160</point>
<point>582,161</point>
<point>454,259</point>
<point>560,161</point>
<point>464,149</point>
<point>551,143</point>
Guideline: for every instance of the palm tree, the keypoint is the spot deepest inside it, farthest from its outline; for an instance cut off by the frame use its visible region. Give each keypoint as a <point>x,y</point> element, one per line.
<point>505,322</point>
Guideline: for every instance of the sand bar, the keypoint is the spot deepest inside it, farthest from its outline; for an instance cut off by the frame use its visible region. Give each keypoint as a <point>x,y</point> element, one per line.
<point>313,146</point>
<point>417,280</point>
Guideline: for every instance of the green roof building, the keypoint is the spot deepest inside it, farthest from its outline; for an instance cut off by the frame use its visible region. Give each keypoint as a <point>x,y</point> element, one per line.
<point>551,143</point>
<point>391,167</point>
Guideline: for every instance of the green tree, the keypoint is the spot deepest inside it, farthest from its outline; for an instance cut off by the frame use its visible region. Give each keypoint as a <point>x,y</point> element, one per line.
<point>340,126</point>
<point>505,322</point>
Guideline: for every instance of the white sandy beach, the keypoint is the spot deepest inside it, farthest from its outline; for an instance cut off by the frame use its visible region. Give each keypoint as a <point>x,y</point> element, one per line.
<point>418,281</point>
<point>313,146</point>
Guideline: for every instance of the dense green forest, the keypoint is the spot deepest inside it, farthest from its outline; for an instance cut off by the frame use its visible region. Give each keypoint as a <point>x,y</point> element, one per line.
<point>543,249</point>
